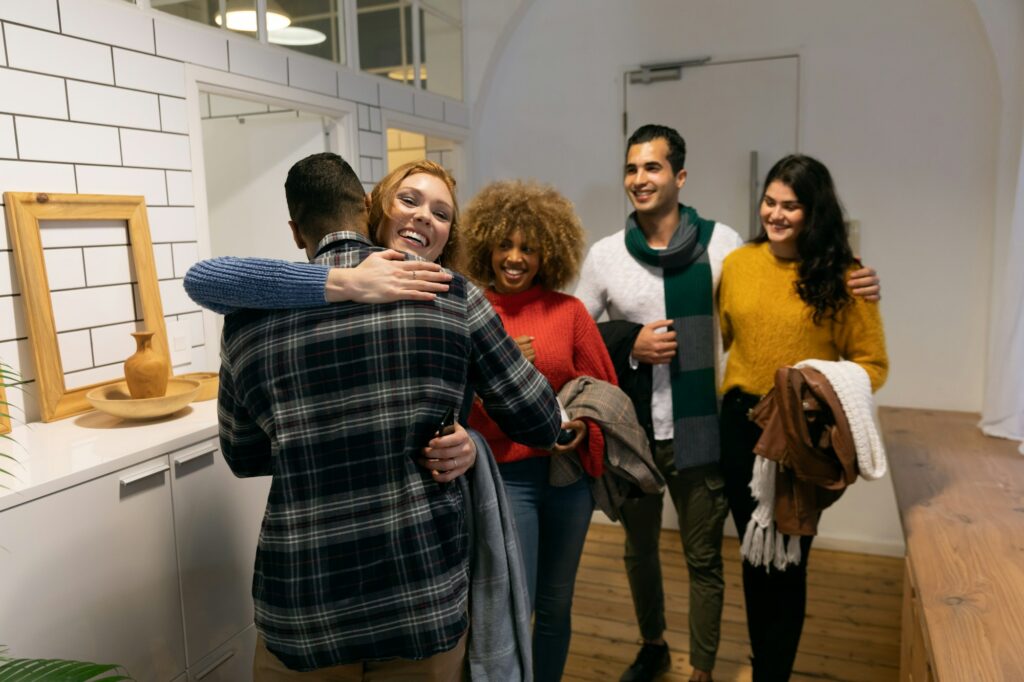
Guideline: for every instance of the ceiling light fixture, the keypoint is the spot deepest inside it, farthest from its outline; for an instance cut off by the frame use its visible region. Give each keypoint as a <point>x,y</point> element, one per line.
<point>295,36</point>
<point>242,17</point>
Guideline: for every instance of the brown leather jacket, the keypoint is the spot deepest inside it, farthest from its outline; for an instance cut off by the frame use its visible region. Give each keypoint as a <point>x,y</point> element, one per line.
<point>805,430</point>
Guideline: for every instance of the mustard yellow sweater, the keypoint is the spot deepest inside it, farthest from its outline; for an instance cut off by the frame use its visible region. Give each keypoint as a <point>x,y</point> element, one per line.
<point>765,325</point>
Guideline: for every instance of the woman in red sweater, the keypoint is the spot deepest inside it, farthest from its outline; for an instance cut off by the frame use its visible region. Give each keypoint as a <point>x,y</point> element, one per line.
<point>523,241</point>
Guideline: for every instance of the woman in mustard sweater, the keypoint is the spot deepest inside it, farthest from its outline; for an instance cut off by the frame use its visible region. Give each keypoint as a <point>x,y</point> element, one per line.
<point>783,299</point>
<point>523,242</point>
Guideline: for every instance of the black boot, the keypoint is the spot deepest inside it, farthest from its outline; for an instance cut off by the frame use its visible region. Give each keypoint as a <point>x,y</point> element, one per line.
<point>652,661</point>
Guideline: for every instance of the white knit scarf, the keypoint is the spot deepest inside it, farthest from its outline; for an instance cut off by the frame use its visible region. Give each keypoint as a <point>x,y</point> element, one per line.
<point>763,544</point>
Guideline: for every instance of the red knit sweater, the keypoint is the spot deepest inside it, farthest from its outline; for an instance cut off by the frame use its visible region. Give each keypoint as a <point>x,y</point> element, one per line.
<point>567,345</point>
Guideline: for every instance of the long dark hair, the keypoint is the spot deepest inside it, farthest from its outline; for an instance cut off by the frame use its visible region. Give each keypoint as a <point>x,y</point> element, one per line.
<point>822,244</point>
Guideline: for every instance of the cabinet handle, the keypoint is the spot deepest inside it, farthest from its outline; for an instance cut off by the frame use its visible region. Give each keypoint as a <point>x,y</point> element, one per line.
<point>138,476</point>
<point>194,453</point>
<point>216,664</point>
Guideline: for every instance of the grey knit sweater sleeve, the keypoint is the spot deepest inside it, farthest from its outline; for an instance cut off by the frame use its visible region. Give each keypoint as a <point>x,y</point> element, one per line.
<point>227,284</point>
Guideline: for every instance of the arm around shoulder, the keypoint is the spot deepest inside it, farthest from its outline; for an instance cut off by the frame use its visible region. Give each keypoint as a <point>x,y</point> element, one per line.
<point>226,284</point>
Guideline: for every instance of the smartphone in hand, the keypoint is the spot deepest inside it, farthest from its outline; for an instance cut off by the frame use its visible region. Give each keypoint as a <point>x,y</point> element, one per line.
<point>565,436</point>
<point>447,425</point>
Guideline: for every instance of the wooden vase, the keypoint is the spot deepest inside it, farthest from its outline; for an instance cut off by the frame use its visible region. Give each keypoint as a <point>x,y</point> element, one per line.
<point>146,371</point>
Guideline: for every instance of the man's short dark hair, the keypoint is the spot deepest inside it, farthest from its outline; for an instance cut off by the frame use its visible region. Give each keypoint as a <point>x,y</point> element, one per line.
<point>324,195</point>
<point>676,144</point>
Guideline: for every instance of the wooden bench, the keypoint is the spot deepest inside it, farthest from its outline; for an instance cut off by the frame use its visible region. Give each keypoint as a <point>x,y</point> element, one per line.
<point>961,501</point>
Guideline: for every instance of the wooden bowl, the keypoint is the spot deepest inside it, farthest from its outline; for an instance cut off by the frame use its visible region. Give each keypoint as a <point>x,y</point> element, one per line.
<point>209,383</point>
<point>114,399</point>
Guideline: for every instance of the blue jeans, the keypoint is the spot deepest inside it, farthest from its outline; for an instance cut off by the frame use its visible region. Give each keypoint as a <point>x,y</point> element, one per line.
<point>552,526</point>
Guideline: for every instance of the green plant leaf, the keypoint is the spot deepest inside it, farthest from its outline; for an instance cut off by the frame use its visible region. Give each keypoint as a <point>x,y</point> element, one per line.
<point>53,670</point>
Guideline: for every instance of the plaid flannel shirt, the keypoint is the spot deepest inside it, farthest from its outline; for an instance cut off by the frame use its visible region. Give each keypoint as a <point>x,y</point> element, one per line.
<point>362,555</point>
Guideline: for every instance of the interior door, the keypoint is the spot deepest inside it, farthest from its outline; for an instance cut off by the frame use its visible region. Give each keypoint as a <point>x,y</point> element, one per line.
<point>738,118</point>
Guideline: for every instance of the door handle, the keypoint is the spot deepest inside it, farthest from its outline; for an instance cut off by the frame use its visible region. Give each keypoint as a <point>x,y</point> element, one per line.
<point>194,453</point>
<point>144,474</point>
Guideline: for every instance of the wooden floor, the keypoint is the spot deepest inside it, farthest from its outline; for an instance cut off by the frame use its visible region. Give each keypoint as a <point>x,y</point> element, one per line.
<point>852,631</point>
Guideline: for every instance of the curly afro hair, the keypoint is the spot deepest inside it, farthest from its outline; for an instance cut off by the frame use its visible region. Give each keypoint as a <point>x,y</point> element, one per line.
<point>547,220</point>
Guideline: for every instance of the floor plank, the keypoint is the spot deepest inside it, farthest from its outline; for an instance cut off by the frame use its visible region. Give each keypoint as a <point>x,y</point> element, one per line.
<point>851,634</point>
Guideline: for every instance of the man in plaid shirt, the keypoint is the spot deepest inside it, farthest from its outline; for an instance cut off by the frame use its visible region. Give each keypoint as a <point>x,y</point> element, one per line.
<point>362,555</point>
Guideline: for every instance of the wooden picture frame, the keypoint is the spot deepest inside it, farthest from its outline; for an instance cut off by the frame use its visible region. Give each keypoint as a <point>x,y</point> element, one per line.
<point>24,212</point>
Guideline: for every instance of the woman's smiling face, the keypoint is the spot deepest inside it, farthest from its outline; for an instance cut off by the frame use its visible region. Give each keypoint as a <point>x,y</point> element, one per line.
<point>515,263</point>
<point>420,219</point>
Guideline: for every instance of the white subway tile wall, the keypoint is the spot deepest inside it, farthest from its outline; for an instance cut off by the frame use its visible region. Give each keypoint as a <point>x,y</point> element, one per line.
<point>113,106</point>
<point>144,182</point>
<point>155,150</point>
<point>173,118</point>
<point>55,234</point>
<point>32,94</point>
<point>75,350</point>
<point>104,23</point>
<point>44,140</point>
<point>27,176</point>
<point>105,265</point>
<point>172,224</point>
<point>113,343</point>
<point>92,100</point>
<point>92,307</point>
<point>164,261</point>
<point>183,42</point>
<point>44,52</point>
<point>8,141</point>
<point>152,74</point>
<point>428,105</point>
<point>42,13</point>
<point>8,280</point>
<point>185,256</point>
<point>179,188</point>
<point>64,268</point>
<point>249,58</point>
<point>313,74</point>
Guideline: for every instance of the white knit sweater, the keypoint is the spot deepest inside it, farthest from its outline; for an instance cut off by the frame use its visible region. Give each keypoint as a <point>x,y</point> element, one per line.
<point>614,282</point>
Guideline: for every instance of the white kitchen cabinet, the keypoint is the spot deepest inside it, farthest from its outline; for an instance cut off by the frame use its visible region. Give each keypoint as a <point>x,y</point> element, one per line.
<point>90,572</point>
<point>130,543</point>
<point>232,662</point>
<point>217,521</point>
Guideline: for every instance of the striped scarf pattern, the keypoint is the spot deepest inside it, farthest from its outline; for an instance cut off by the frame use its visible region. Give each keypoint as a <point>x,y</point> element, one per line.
<point>689,303</point>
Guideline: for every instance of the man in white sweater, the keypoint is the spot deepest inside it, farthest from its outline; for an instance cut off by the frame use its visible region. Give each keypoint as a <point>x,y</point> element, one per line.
<point>615,281</point>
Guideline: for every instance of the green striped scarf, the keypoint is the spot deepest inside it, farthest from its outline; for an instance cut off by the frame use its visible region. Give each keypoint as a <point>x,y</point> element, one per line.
<point>689,303</point>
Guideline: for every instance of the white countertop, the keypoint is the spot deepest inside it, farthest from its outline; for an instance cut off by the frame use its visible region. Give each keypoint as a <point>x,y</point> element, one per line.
<point>52,457</point>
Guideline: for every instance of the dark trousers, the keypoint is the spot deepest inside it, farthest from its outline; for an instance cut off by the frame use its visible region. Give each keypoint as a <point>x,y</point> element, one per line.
<point>699,499</point>
<point>776,601</point>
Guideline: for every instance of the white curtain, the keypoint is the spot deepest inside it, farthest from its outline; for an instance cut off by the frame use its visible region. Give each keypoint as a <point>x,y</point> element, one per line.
<point>1003,412</point>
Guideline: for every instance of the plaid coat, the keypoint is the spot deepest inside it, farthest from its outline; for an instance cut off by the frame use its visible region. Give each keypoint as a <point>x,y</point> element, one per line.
<point>362,555</point>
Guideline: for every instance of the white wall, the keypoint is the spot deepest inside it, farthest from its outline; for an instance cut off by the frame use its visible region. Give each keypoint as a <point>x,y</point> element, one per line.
<point>901,100</point>
<point>246,165</point>
<point>94,98</point>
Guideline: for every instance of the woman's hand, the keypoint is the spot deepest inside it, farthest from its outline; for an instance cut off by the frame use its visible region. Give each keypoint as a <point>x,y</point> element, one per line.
<point>525,344</point>
<point>448,457</point>
<point>579,427</point>
<point>384,277</point>
<point>865,283</point>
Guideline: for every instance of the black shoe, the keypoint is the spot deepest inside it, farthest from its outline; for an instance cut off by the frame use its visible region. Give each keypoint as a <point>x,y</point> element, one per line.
<point>652,661</point>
